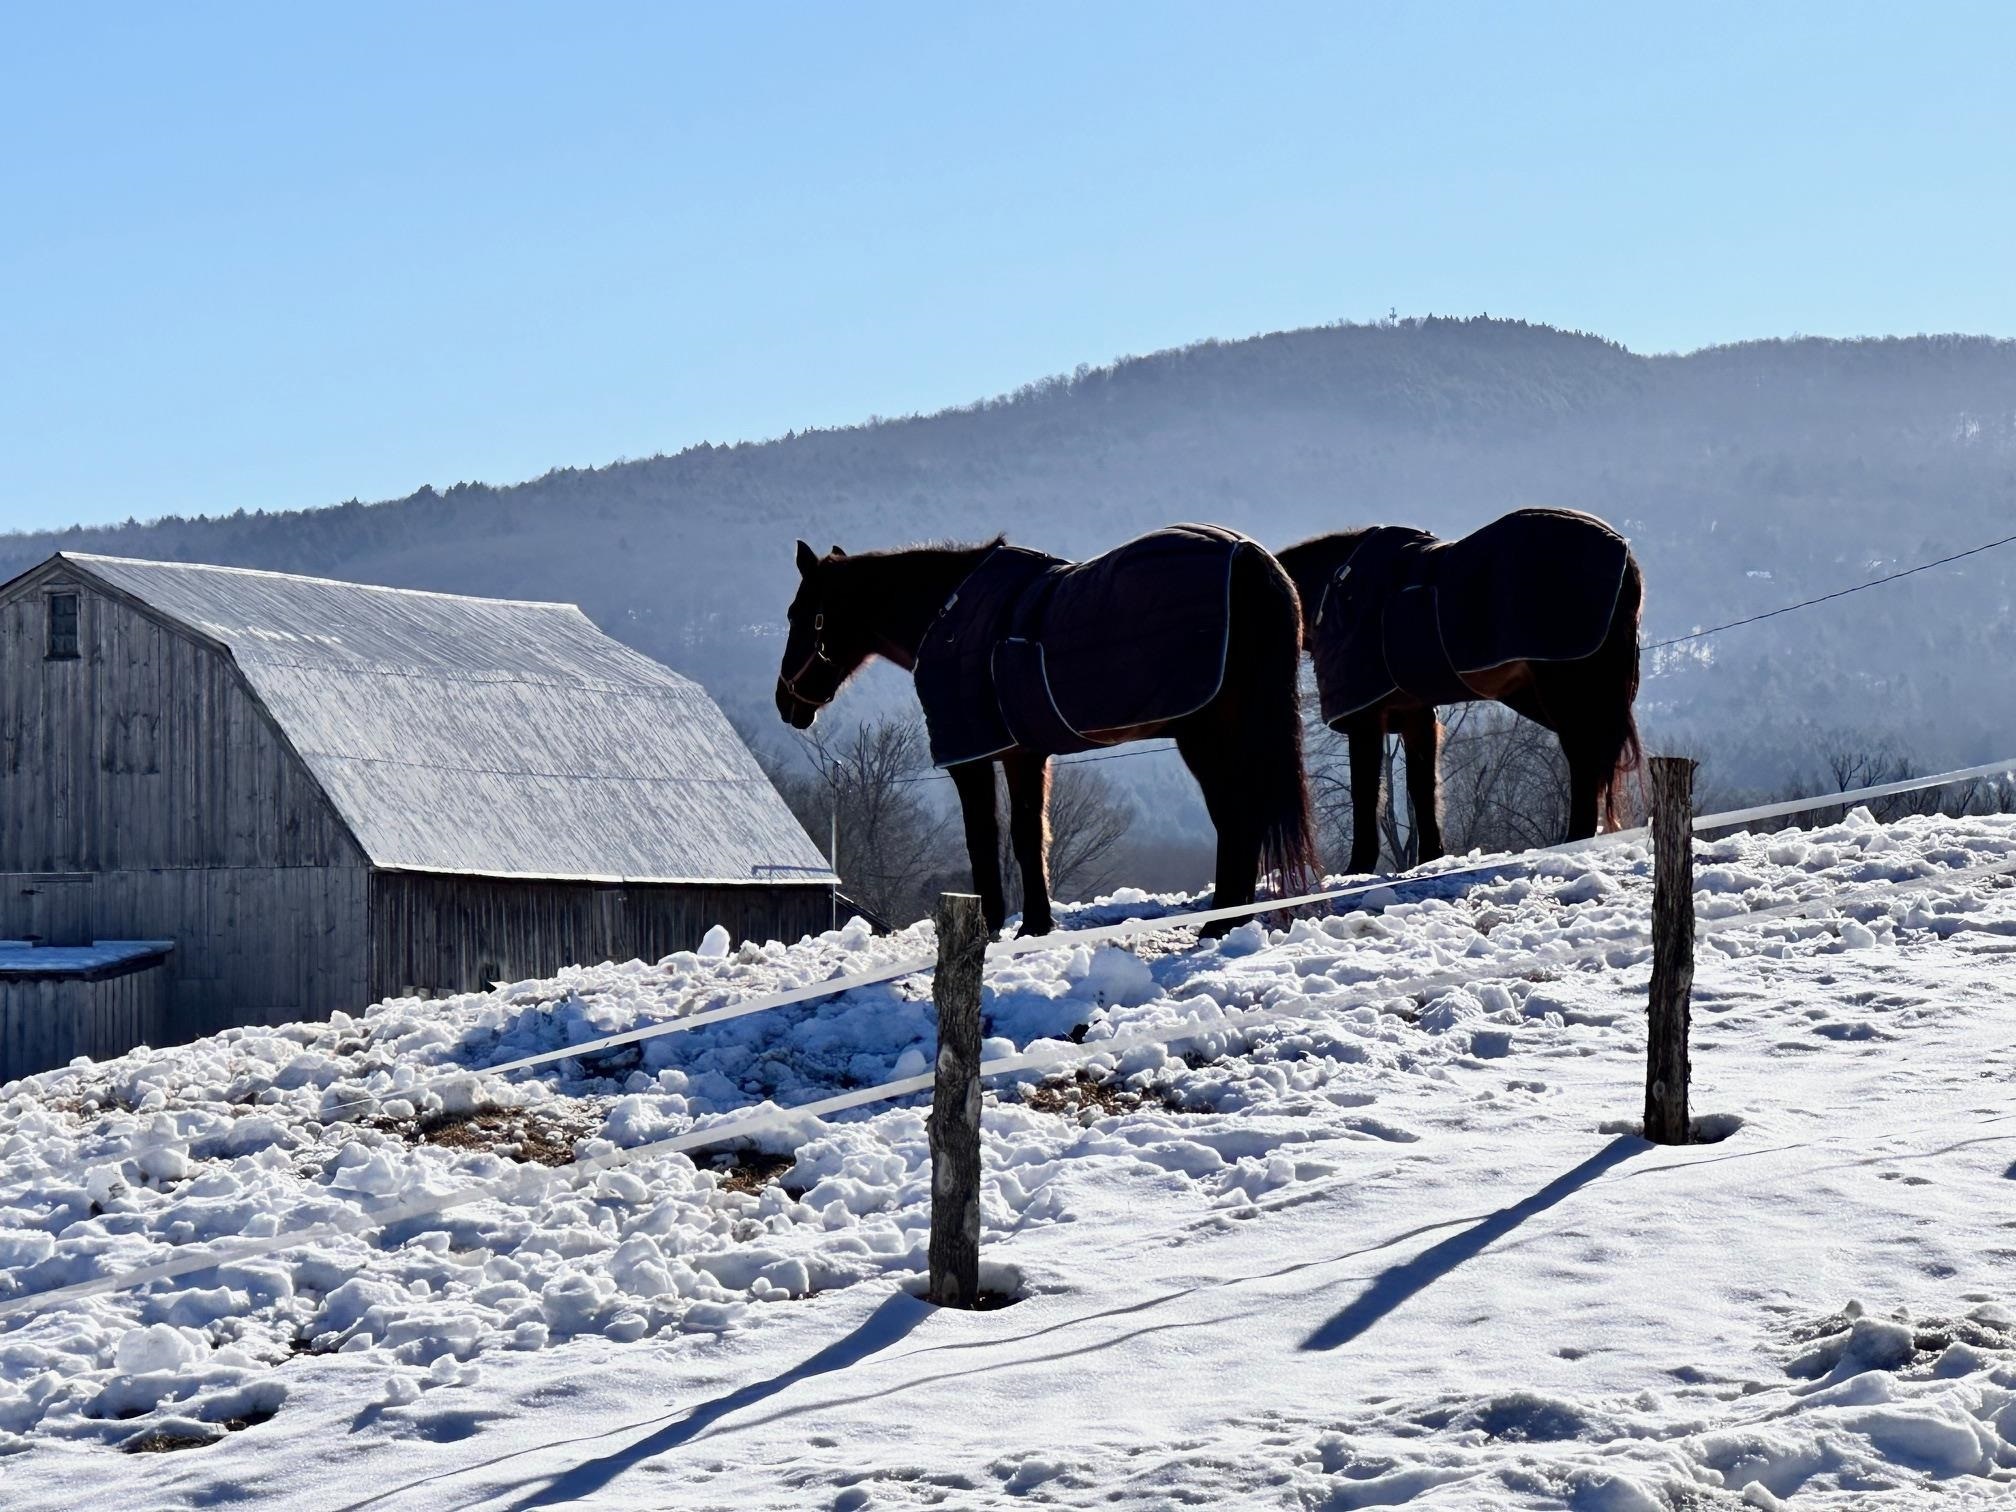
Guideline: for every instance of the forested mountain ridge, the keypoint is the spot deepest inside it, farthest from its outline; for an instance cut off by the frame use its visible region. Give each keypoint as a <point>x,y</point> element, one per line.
<point>1747,476</point>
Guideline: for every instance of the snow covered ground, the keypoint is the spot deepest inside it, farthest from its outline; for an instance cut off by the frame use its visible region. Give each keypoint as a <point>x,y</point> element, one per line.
<point>1400,1250</point>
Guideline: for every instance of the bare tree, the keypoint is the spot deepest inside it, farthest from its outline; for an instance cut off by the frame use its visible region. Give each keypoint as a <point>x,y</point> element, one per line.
<point>1504,782</point>
<point>1089,817</point>
<point>1504,787</point>
<point>1330,792</point>
<point>1850,760</point>
<point>1981,795</point>
<point>1088,821</point>
<point>899,842</point>
<point>893,839</point>
<point>1329,763</point>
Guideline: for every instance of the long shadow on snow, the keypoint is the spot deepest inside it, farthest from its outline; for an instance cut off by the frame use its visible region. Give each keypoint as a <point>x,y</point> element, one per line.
<point>1397,1283</point>
<point>1386,1291</point>
<point>894,1320</point>
<point>566,1486</point>
<point>885,1326</point>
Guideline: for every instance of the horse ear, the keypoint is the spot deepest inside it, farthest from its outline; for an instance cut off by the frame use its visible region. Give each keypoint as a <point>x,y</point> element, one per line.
<point>807,562</point>
<point>836,551</point>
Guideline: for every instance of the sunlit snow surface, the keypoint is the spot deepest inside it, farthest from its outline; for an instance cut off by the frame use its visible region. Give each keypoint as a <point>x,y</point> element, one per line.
<point>1405,1252</point>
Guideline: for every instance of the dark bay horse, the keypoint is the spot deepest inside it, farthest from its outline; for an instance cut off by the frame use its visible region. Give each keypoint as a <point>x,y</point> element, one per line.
<point>1243,744</point>
<point>1569,572</point>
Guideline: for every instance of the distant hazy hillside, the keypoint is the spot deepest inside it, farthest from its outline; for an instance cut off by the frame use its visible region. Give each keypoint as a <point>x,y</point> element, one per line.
<point>1747,476</point>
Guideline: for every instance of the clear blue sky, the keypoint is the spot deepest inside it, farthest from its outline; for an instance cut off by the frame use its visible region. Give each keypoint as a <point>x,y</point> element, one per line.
<point>276,256</point>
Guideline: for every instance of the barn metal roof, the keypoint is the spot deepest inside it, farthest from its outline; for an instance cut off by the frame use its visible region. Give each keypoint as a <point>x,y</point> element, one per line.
<point>489,736</point>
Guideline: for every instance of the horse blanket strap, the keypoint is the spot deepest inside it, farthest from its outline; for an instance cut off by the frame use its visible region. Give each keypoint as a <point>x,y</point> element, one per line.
<point>1408,613</point>
<point>1043,655</point>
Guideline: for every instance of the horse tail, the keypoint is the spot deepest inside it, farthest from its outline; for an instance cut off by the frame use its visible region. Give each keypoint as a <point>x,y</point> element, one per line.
<point>1271,735</point>
<point>1617,663</point>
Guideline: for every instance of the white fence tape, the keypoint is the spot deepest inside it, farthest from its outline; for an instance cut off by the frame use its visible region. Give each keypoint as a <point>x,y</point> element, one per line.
<point>1854,796</point>
<point>999,950</point>
<point>1052,1057</point>
<point>831,987</point>
<point>1807,805</point>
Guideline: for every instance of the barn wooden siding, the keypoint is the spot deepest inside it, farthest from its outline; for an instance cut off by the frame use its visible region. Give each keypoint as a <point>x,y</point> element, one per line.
<point>254,945</point>
<point>46,1022</point>
<point>145,751</point>
<point>448,933</point>
<point>145,795</point>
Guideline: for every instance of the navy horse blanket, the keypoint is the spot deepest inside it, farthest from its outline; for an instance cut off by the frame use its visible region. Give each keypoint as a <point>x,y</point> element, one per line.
<point>1408,613</point>
<point>1037,653</point>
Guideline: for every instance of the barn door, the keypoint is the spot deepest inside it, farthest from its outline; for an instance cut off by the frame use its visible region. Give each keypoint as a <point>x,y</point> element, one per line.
<point>56,909</point>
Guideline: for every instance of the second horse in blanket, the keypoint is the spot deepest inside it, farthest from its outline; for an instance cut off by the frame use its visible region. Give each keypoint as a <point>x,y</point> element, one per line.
<point>1192,633</point>
<point>1538,610</point>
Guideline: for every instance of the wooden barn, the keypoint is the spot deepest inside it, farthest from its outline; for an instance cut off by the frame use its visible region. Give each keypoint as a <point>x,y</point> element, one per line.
<point>274,796</point>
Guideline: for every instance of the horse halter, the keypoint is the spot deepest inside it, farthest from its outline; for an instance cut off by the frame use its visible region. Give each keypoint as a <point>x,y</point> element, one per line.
<point>817,655</point>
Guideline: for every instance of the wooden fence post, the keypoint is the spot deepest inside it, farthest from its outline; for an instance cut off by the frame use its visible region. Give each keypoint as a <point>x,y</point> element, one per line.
<point>1666,1067</point>
<point>954,1125</point>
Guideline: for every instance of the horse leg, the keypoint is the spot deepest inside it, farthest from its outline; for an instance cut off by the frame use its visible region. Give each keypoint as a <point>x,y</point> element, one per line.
<point>1367,735</point>
<point>1421,732</point>
<point>1589,704</point>
<point>974,782</point>
<point>1029,833</point>
<point>1207,752</point>
<point>1589,770</point>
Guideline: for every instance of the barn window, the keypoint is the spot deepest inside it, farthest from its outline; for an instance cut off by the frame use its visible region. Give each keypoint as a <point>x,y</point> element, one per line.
<point>62,627</point>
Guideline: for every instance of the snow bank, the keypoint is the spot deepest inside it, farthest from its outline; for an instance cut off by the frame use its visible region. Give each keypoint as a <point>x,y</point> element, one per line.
<point>1401,1180</point>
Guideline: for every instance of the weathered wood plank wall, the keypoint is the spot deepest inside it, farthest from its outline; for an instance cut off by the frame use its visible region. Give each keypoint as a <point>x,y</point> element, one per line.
<point>458,934</point>
<point>253,945</point>
<point>145,795</point>
<point>46,1023</point>
<point>145,751</point>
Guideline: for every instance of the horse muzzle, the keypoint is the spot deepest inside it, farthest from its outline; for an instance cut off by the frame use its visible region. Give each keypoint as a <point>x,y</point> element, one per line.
<point>795,710</point>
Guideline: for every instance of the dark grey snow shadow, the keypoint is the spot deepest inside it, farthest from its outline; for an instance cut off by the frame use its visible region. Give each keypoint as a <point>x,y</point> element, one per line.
<point>1397,1283</point>
<point>887,1325</point>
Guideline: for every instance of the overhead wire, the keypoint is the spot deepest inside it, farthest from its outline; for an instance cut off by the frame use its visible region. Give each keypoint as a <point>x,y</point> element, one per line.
<point>1892,577</point>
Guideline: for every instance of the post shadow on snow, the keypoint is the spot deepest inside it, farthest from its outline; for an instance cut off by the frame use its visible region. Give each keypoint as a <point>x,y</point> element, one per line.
<point>887,1325</point>
<point>1397,1283</point>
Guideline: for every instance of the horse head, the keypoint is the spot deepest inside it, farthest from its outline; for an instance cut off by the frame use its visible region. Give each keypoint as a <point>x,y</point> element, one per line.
<point>827,643</point>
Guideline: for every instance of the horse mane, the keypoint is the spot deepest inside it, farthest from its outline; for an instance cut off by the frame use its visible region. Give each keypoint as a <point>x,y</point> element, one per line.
<point>1329,538</point>
<point>900,589</point>
<point>1308,563</point>
<point>943,545</point>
